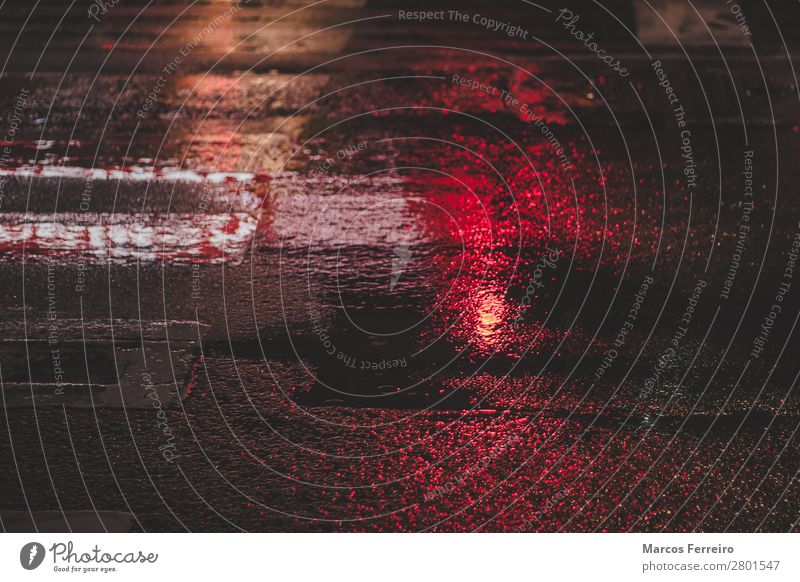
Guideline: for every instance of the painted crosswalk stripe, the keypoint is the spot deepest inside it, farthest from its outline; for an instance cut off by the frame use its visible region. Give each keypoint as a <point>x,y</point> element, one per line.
<point>696,23</point>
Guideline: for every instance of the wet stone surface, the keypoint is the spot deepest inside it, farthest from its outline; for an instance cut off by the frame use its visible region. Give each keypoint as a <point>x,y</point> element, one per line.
<point>385,279</point>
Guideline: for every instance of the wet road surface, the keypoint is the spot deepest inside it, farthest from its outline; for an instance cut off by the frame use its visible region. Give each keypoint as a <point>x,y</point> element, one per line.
<point>336,270</point>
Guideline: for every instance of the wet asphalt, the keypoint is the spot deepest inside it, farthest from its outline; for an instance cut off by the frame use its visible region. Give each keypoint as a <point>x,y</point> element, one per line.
<point>343,271</point>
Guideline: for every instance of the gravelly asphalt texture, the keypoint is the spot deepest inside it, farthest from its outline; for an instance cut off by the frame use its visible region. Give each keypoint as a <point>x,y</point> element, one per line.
<point>278,267</point>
